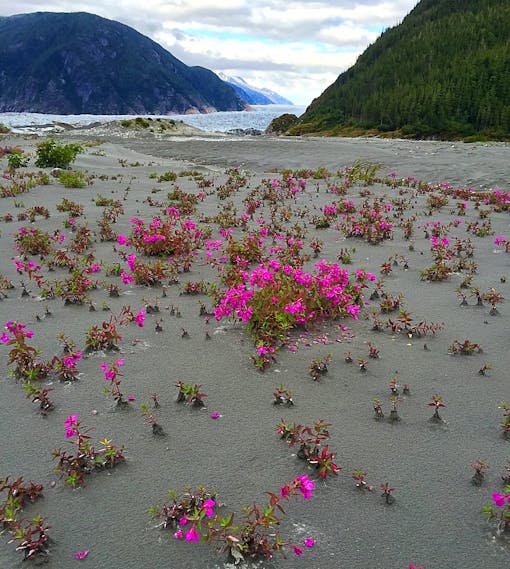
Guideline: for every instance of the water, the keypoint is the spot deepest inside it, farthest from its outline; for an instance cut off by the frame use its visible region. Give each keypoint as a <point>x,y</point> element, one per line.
<point>257,119</point>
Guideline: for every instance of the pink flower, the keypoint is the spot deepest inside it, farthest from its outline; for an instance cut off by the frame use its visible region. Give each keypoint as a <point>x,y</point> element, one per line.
<point>126,277</point>
<point>500,239</point>
<point>131,259</point>
<point>178,534</point>
<point>131,398</point>
<point>413,567</point>
<point>183,521</point>
<point>119,363</point>
<point>81,554</point>
<point>208,506</point>
<point>121,239</point>
<point>192,534</point>
<point>309,542</point>
<point>215,415</point>
<point>297,550</point>
<point>305,486</point>
<point>284,491</point>
<point>499,499</point>
<point>140,317</point>
<point>71,433</point>
<point>5,338</point>
<point>71,421</point>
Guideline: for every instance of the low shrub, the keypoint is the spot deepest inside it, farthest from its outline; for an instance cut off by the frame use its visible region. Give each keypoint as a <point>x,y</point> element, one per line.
<point>50,154</point>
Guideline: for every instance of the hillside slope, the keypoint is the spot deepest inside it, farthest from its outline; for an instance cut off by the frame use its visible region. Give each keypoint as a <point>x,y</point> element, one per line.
<point>73,63</point>
<point>443,72</point>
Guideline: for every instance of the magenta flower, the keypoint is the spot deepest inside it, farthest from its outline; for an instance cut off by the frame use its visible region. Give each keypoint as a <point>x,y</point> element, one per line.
<point>126,277</point>
<point>192,534</point>
<point>5,338</point>
<point>81,554</point>
<point>297,550</point>
<point>309,542</point>
<point>499,499</point>
<point>71,433</point>
<point>131,398</point>
<point>121,239</point>
<point>215,415</point>
<point>140,317</point>
<point>183,521</point>
<point>178,534</point>
<point>284,491</point>
<point>500,239</point>
<point>208,506</point>
<point>71,421</point>
<point>305,486</point>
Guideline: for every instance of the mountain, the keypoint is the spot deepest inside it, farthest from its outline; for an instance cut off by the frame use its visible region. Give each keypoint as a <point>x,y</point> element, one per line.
<point>74,63</point>
<point>443,72</point>
<point>254,95</point>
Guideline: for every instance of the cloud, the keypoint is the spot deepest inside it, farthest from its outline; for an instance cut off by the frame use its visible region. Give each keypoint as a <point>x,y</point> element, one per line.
<point>296,48</point>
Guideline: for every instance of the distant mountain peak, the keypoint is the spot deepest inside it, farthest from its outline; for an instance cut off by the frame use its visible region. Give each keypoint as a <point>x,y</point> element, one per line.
<point>254,95</point>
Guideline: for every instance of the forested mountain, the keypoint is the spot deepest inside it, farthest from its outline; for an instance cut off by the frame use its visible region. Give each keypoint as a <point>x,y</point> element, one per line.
<point>443,72</point>
<point>73,63</point>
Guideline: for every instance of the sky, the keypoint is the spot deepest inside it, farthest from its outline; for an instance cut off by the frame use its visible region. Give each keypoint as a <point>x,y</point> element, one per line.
<point>294,48</point>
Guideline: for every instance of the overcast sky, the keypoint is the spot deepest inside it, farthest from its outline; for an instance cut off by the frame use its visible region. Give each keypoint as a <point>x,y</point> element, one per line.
<point>295,48</point>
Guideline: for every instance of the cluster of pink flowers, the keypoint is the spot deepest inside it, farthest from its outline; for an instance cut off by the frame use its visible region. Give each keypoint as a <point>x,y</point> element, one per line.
<point>192,534</point>
<point>70,425</point>
<point>111,372</point>
<point>126,277</point>
<point>235,302</point>
<point>26,267</point>
<point>140,317</point>
<point>16,329</point>
<point>70,359</point>
<point>436,242</point>
<point>330,282</point>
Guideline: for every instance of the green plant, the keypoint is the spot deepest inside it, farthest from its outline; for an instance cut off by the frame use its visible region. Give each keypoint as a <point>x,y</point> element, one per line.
<point>50,154</point>
<point>17,159</point>
<point>73,179</point>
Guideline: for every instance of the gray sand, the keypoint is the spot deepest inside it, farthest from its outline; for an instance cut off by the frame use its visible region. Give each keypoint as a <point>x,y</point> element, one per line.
<point>435,520</point>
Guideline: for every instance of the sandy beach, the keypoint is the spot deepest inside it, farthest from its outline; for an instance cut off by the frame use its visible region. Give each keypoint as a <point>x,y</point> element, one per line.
<point>435,520</point>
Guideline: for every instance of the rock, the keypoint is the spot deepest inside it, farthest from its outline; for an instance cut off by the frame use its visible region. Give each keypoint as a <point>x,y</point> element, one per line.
<point>245,132</point>
<point>280,125</point>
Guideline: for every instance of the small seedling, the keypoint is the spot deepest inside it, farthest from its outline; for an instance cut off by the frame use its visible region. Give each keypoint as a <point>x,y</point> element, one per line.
<point>436,403</point>
<point>361,484</point>
<point>379,415</point>
<point>282,396</point>
<point>480,467</point>
<point>387,493</point>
